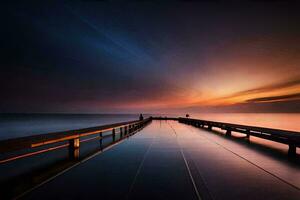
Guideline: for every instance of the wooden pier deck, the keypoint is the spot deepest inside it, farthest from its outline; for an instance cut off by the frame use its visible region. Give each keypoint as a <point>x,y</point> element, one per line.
<point>171,160</point>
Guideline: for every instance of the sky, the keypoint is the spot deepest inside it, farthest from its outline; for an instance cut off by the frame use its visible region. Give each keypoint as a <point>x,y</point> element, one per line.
<point>150,56</point>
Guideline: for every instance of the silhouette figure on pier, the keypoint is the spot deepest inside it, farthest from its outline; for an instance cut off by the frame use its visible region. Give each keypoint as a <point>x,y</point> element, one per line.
<point>141,117</point>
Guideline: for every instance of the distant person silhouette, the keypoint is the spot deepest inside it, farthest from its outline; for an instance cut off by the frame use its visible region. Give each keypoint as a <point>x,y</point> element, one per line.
<point>141,117</point>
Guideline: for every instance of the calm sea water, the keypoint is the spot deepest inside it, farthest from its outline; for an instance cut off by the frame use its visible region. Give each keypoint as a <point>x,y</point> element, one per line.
<point>17,125</point>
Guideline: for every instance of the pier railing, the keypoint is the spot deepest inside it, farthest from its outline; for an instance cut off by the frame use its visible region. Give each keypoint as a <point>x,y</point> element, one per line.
<point>291,138</point>
<point>40,143</point>
<point>70,139</point>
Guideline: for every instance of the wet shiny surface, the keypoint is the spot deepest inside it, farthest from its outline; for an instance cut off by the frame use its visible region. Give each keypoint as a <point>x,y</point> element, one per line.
<point>169,160</point>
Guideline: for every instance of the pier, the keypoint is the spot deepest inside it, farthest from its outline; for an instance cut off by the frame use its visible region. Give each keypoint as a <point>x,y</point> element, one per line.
<point>155,158</point>
<point>291,138</point>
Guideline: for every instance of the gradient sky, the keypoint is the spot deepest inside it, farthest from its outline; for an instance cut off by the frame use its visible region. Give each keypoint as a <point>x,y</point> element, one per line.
<point>150,56</point>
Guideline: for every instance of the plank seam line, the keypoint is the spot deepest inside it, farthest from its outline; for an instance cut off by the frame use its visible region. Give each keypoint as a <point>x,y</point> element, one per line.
<point>190,174</point>
<point>139,169</point>
<point>270,173</point>
<point>197,168</point>
<point>187,166</point>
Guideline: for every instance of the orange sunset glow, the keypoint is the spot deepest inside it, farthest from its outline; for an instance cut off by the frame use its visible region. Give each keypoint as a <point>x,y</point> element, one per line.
<point>220,60</point>
<point>150,100</point>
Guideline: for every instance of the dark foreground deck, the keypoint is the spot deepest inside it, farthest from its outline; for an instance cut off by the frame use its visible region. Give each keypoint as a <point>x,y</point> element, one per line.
<point>170,160</point>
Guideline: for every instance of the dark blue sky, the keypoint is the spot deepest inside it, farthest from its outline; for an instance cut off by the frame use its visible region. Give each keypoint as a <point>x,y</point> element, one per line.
<point>151,56</point>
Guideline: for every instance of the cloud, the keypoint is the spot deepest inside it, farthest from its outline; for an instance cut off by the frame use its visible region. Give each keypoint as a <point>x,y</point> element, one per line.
<point>282,96</point>
<point>283,90</point>
<point>275,98</point>
<point>280,85</point>
<point>291,106</point>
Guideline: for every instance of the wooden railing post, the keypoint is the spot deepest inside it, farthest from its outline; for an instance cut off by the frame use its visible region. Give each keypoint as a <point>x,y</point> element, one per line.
<point>121,132</point>
<point>126,130</point>
<point>292,150</point>
<point>228,132</point>
<point>209,127</point>
<point>248,134</point>
<point>74,148</point>
<point>133,127</point>
<point>114,134</point>
<point>100,135</point>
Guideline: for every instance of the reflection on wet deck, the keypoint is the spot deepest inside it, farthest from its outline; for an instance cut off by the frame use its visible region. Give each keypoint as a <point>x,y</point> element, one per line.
<point>169,160</point>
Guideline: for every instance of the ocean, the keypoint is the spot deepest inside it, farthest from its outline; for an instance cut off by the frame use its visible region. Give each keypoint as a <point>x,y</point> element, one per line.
<point>19,125</point>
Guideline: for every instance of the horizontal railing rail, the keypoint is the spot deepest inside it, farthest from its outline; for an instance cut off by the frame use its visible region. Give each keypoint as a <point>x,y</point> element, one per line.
<point>291,138</point>
<point>71,136</point>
